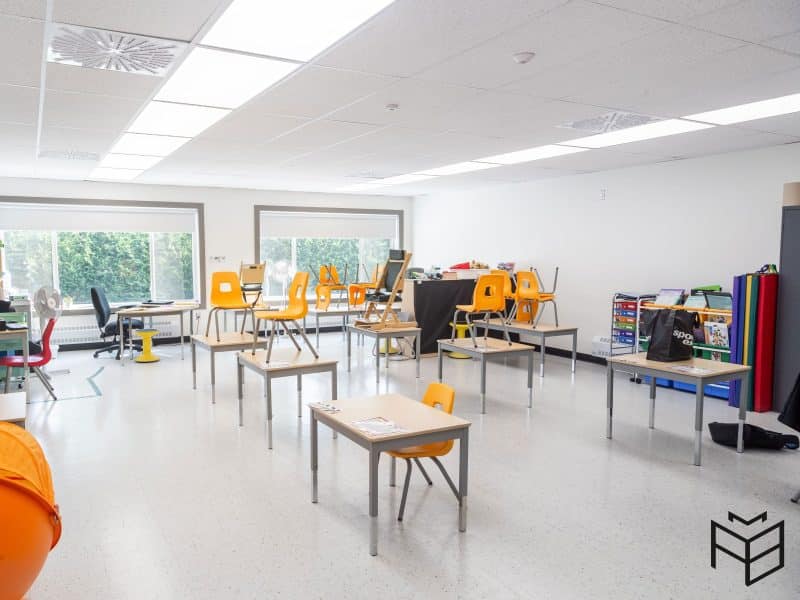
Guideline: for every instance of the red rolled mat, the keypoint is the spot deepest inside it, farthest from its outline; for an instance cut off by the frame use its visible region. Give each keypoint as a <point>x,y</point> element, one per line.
<point>765,343</point>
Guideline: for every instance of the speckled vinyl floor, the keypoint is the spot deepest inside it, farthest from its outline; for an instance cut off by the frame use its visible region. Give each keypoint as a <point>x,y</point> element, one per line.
<point>164,496</point>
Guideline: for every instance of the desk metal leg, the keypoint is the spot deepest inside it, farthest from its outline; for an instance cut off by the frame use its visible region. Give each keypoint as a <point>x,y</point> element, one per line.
<point>349,349</point>
<point>334,390</point>
<point>194,366</point>
<point>483,384</point>
<point>240,385</point>
<point>374,457</point>
<point>268,386</point>
<point>314,455</point>
<point>377,359</point>
<point>387,347</point>
<point>652,402</point>
<point>26,375</point>
<point>121,335</point>
<point>191,322</point>
<point>180,316</point>
<point>542,348</point>
<point>463,470</point>
<point>392,471</point>
<point>609,398</point>
<point>317,320</point>
<point>698,422</point>
<point>417,352</point>
<point>213,377</point>
<point>439,356</point>
<point>743,415</point>
<point>574,350</point>
<point>530,379</point>
<point>299,396</point>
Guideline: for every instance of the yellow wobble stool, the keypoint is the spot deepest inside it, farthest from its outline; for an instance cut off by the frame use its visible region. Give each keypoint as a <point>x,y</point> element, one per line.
<point>147,355</point>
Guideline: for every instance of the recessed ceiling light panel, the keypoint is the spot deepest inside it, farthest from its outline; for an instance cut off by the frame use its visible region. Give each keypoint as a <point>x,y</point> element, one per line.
<point>456,168</point>
<point>750,111</point>
<point>148,145</point>
<point>297,29</point>
<point>529,154</point>
<point>181,120</point>
<point>218,78</point>
<point>637,134</point>
<point>401,179</point>
<point>111,50</point>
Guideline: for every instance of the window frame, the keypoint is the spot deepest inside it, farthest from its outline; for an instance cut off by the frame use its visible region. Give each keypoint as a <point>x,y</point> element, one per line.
<point>198,207</point>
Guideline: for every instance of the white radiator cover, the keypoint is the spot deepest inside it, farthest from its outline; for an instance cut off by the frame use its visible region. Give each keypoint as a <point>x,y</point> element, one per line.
<point>82,329</point>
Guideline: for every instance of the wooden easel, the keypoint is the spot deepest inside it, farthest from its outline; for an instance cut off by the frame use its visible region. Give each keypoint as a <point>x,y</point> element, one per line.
<point>388,317</point>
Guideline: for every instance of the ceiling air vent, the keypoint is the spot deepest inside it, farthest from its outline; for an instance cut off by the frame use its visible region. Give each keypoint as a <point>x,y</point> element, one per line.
<point>612,121</point>
<point>69,155</point>
<point>111,50</point>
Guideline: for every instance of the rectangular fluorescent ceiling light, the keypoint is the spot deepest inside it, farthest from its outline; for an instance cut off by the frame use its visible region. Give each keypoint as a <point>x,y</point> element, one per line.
<point>182,120</point>
<point>293,29</point>
<point>219,78</point>
<point>462,167</point>
<point>115,174</point>
<point>409,178</point>
<point>751,111</point>
<point>537,153</point>
<point>148,145</point>
<point>129,161</point>
<point>637,134</point>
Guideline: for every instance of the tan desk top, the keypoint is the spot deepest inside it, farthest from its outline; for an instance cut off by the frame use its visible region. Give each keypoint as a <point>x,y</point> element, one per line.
<point>13,407</point>
<point>164,309</point>
<point>486,346</point>
<point>712,368</point>
<point>283,359</point>
<point>386,330</point>
<point>336,311</point>
<point>228,340</point>
<point>528,327</point>
<point>14,332</point>
<point>414,417</point>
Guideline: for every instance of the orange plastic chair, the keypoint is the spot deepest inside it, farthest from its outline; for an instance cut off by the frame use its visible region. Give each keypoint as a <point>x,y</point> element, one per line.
<point>226,294</point>
<point>508,292</point>
<point>296,309</point>
<point>487,299</point>
<point>29,519</point>
<point>530,296</point>
<point>323,293</point>
<point>329,276</point>
<point>441,396</point>
<point>356,294</point>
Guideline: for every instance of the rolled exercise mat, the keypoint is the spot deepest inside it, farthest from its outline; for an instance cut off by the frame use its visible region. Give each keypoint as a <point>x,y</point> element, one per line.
<point>737,329</point>
<point>750,328</point>
<point>30,525</point>
<point>765,342</point>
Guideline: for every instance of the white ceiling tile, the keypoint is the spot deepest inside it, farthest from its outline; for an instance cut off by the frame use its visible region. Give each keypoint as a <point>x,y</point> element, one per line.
<point>51,168</point>
<point>64,139</point>
<point>16,160</point>
<point>34,9</point>
<point>205,151</point>
<point>410,35</point>
<point>753,20</point>
<point>420,104</point>
<point>300,94</point>
<point>322,133</point>
<point>19,104</point>
<point>88,111</point>
<point>785,125</point>
<point>16,134</point>
<point>588,27</point>
<point>249,125</point>
<point>173,19</point>
<point>787,43</point>
<point>100,81</point>
<point>671,10</point>
<point>21,44</point>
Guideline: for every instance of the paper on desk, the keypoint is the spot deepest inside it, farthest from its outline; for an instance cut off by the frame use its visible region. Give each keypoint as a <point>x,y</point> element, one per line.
<point>324,406</point>
<point>378,426</point>
<point>690,370</point>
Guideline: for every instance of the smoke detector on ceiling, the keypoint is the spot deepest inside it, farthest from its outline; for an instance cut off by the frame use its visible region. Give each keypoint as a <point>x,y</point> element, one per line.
<point>523,58</point>
<point>392,107</point>
<point>111,50</point>
<point>612,121</point>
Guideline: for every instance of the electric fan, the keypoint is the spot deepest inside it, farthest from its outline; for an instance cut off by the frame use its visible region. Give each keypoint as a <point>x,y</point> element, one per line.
<point>47,304</point>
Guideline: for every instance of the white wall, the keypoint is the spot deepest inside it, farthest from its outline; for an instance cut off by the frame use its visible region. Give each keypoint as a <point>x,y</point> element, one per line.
<point>228,212</point>
<point>676,224</point>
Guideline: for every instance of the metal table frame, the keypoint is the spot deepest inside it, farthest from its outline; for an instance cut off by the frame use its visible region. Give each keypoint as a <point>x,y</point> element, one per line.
<point>375,446</point>
<point>384,334</point>
<point>482,352</point>
<point>700,381</point>
<point>150,312</point>
<point>345,313</point>
<point>543,334</point>
<point>210,343</point>
<point>270,372</point>
<point>22,335</point>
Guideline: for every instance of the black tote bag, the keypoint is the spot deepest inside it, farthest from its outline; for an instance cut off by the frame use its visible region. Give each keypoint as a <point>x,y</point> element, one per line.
<point>671,335</point>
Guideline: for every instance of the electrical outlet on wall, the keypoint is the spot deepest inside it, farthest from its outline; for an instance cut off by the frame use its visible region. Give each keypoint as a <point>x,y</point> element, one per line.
<point>216,259</point>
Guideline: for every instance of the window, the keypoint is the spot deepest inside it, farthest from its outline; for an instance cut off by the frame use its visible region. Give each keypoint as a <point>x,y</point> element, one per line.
<point>133,252</point>
<point>302,240</point>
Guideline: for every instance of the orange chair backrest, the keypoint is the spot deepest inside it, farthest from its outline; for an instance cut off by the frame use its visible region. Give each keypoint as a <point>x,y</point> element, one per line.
<point>488,294</point>
<point>527,286</point>
<point>329,274</point>
<point>298,305</point>
<point>226,290</point>
<point>357,294</point>
<point>323,296</point>
<point>442,396</point>
<point>507,293</point>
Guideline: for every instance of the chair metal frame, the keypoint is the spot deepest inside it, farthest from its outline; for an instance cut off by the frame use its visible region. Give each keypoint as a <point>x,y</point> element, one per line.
<point>501,313</point>
<point>214,310</point>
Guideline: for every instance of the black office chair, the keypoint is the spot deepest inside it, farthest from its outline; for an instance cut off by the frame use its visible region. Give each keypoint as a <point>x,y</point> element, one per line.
<point>394,267</point>
<point>108,326</point>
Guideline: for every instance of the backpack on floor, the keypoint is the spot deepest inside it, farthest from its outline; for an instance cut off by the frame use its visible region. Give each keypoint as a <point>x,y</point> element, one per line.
<point>753,436</point>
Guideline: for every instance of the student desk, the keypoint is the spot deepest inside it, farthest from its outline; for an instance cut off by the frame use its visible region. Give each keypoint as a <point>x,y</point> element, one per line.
<point>13,408</point>
<point>283,363</point>
<point>388,334</point>
<point>165,310</point>
<point>542,331</point>
<point>22,336</point>
<point>421,424</point>
<point>227,342</point>
<point>696,371</point>
<point>489,347</point>
<point>345,313</point>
